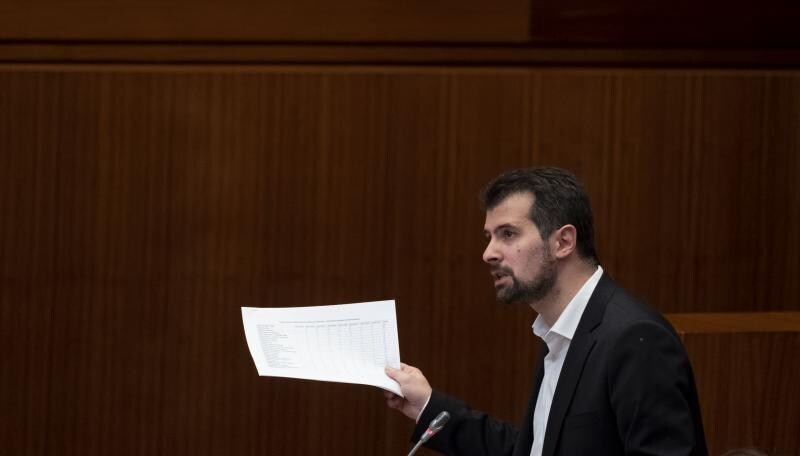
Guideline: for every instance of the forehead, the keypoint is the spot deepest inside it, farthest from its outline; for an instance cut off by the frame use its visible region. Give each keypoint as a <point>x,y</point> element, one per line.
<point>514,211</point>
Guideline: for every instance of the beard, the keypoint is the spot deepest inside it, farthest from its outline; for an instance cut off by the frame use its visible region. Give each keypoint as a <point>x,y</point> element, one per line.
<point>520,292</point>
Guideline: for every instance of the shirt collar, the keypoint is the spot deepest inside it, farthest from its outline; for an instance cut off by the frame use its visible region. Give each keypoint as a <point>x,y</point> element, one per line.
<point>568,321</point>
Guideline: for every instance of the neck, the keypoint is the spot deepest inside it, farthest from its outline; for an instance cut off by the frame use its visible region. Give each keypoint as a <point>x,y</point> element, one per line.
<point>571,277</point>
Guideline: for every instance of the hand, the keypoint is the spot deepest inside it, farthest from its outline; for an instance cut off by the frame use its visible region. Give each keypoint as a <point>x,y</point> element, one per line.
<point>415,388</point>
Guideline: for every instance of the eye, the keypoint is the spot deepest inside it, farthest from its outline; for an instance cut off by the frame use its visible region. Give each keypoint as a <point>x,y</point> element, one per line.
<point>508,234</point>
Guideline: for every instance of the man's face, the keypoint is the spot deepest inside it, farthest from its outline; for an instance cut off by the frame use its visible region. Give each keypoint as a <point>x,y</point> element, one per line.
<point>521,264</point>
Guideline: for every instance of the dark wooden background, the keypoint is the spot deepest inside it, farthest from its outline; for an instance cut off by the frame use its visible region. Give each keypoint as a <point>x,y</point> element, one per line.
<point>163,165</point>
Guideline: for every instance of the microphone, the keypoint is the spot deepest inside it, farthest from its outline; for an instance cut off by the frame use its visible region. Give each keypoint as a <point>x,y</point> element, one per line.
<point>436,425</point>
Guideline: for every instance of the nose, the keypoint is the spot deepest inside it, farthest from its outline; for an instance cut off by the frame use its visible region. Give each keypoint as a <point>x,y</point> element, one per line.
<point>491,254</point>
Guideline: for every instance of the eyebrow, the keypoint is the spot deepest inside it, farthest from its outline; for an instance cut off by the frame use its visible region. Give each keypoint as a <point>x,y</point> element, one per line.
<point>500,227</point>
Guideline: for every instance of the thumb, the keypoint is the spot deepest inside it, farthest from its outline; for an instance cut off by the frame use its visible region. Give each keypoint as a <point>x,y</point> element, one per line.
<point>399,375</point>
<point>392,372</point>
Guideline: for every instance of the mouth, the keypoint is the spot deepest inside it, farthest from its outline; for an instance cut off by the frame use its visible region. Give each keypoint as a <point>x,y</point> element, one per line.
<point>499,276</point>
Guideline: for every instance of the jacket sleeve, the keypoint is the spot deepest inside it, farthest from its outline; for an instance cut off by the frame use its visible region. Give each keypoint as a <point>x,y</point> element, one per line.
<point>652,393</point>
<point>468,432</point>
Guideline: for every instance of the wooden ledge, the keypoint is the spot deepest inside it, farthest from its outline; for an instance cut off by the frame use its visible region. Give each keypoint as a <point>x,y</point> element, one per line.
<point>749,322</point>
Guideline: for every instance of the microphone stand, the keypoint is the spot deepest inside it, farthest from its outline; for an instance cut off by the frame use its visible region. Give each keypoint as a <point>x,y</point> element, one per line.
<point>416,447</point>
<point>436,425</point>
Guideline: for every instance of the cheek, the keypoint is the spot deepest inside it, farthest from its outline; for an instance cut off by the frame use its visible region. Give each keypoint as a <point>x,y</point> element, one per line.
<point>524,259</point>
<point>531,260</point>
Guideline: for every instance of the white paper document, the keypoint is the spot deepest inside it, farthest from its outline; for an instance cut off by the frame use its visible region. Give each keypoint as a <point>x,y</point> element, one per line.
<point>349,343</point>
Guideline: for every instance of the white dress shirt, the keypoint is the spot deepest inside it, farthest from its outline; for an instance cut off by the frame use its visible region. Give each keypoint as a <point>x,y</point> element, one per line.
<point>557,338</point>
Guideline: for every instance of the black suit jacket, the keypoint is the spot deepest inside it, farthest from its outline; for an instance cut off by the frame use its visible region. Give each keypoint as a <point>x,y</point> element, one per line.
<point>626,387</point>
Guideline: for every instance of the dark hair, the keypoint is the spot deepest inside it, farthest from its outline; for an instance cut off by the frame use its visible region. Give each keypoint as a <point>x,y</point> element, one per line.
<point>559,199</point>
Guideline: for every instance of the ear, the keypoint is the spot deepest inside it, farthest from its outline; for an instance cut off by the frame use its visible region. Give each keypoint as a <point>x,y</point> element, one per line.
<point>563,241</point>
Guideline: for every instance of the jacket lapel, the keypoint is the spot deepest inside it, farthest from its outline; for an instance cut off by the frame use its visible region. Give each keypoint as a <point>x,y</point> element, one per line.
<point>579,350</point>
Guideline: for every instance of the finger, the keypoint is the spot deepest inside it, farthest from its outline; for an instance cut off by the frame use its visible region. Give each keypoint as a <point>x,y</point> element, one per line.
<point>395,403</point>
<point>389,394</point>
<point>396,375</point>
<point>409,369</point>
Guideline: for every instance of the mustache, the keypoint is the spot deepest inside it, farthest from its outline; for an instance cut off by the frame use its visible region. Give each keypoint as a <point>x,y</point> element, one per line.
<point>496,269</point>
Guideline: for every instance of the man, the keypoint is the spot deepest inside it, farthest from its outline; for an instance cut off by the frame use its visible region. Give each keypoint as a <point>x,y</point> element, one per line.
<point>613,378</point>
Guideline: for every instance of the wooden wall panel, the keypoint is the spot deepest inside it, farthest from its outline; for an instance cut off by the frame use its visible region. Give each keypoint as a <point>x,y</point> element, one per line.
<point>27,236</point>
<point>746,370</point>
<point>240,20</point>
<point>544,23</point>
<point>143,205</point>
